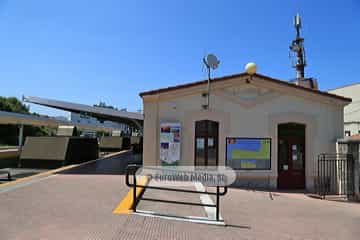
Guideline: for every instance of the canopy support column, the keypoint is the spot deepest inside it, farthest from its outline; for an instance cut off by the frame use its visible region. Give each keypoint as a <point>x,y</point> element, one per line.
<point>20,136</point>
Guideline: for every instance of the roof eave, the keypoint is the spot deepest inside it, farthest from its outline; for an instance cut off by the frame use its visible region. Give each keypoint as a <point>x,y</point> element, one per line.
<point>224,78</point>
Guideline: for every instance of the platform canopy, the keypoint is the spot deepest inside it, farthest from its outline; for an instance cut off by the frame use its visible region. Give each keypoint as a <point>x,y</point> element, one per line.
<point>130,118</point>
<point>28,119</point>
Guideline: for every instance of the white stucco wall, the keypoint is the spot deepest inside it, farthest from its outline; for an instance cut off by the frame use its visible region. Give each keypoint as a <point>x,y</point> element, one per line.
<point>351,111</point>
<point>352,127</point>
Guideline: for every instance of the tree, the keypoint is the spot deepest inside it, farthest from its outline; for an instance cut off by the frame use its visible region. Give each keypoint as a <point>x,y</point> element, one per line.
<point>103,105</point>
<point>8,133</point>
<point>12,104</point>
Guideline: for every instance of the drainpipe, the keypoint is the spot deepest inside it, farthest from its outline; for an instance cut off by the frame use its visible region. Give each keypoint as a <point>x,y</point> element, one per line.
<point>357,173</point>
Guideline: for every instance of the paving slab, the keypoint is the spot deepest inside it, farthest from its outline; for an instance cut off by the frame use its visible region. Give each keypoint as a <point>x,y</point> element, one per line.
<point>180,210</point>
<point>78,204</point>
<point>73,203</point>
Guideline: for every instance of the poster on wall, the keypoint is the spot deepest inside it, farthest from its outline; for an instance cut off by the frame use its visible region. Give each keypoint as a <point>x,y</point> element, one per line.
<point>248,153</point>
<point>170,140</point>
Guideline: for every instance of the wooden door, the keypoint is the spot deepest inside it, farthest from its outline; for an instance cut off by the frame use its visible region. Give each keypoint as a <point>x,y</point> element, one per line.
<point>291,163</point>
<point>206,143</point>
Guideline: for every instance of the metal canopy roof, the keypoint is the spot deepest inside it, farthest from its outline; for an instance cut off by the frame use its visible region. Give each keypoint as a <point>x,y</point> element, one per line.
<point>130,118</point>
<point>27,119</point>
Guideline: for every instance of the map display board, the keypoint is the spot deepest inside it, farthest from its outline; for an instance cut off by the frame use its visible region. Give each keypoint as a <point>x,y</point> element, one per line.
<point>248,153</point>
<point>170,140</point>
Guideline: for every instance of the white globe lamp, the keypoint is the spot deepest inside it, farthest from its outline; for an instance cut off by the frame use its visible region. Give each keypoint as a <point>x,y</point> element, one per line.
<point>250,68</point>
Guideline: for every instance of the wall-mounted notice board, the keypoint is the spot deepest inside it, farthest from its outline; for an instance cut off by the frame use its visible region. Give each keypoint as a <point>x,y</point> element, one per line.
<point>170,143</point>
<point>248,153</point>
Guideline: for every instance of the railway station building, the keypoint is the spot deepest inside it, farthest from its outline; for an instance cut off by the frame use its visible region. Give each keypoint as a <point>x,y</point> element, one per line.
<point>268,130</point>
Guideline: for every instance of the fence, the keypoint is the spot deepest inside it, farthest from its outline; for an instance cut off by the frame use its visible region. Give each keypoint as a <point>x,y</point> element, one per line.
<point>335,175</point>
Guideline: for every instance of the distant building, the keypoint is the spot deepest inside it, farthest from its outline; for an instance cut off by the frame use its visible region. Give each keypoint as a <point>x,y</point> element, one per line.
<point>62,118</point>
<point>351,111</point>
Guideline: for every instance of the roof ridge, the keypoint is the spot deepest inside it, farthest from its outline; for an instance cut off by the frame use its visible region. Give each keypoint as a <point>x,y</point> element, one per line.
<point>227,77</point>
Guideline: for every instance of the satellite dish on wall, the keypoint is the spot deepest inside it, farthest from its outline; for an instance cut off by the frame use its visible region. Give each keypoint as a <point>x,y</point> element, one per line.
<point>211,61</point>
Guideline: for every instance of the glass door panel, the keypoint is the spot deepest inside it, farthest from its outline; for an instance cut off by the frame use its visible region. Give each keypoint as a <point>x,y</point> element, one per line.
<point>297,157</point>
<point>283,156</point>
<point>200,151</point>
<point>212,152</point>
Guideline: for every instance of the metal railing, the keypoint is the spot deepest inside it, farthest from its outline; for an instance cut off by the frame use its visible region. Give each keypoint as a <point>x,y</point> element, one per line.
<point>131,170</point>
<point>335,175</point>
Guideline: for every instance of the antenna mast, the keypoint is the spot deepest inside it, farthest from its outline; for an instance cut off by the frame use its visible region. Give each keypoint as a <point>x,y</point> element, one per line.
<point>297,46</point>
<point>211,62</point>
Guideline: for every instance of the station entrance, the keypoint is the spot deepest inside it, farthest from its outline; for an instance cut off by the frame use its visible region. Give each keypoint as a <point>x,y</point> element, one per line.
<point>291,156</point>
<point>206,143</point>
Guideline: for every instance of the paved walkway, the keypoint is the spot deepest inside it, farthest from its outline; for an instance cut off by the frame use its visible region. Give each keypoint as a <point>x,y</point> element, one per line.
<point>78,204</point>
<point>173,209</point>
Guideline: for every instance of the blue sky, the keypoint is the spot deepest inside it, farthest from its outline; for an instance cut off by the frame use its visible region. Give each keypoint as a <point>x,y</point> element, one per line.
<point>91,51</point>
